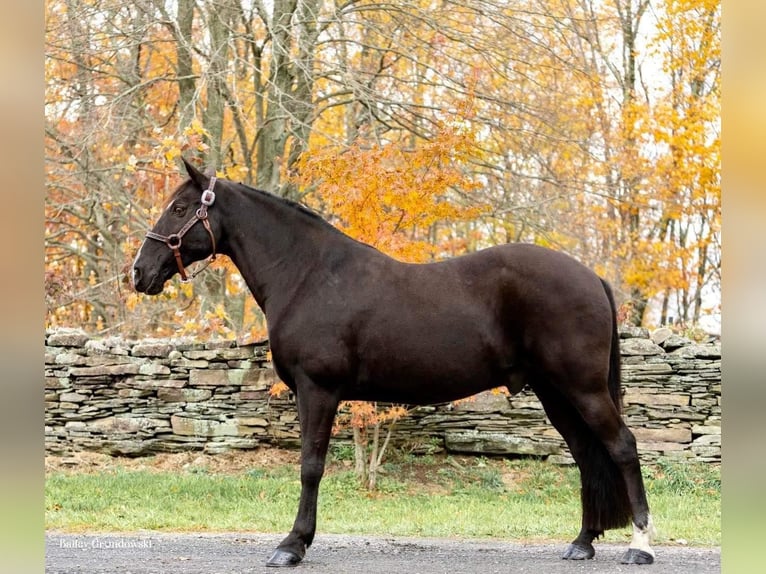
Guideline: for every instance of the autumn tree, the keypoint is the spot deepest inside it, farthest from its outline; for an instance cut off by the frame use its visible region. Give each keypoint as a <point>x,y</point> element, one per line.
<point>659,222</point>
<point>91,204</point>
<point>686,136</point>
<point>131,87</point>
<point>578,166</point>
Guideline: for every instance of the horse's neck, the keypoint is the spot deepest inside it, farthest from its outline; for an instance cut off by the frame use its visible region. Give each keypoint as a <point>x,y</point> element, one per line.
<point>274,245</point>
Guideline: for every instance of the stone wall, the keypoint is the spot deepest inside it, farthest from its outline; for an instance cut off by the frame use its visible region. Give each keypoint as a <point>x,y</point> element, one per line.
<point>141,397</point>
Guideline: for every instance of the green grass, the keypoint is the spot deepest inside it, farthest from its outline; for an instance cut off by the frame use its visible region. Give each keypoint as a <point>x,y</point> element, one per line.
<point>418,496</point>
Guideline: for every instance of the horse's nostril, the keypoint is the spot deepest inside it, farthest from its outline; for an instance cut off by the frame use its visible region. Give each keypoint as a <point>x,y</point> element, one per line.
<point>136,274</point>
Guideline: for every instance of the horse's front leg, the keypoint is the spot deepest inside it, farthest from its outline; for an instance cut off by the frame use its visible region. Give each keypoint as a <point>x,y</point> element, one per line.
<point>316,412</point>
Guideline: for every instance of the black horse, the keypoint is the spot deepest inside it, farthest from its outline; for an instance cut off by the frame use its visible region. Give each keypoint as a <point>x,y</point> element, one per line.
<point>347,322</point>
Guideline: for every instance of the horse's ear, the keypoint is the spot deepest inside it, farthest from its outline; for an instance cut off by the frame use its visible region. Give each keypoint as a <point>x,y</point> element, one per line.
<point>200,179</point>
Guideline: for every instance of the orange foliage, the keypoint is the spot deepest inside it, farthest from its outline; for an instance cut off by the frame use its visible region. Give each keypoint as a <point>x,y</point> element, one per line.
<point>391,195</point>
<point>278,389</point>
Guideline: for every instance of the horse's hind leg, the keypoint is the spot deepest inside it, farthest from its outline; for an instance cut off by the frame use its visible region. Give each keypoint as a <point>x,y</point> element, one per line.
<point>599,412</point>
<point>316,412</point>
<point>603,497</point>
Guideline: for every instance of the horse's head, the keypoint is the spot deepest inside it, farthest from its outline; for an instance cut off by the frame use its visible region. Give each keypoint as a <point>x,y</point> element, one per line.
<point>184,233</point>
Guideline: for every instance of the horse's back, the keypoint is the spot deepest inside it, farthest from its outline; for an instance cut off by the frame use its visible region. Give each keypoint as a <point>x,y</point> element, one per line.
<point>524,280</point>
<point>507,292</point>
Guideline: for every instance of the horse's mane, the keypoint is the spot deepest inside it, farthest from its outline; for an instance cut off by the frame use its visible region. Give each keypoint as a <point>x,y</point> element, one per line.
<point>289,202</point>
<point>299,207</point>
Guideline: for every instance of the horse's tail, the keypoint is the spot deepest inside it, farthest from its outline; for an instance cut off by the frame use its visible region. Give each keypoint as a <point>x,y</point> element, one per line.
<point>605,500</point>
<point>615,367</point>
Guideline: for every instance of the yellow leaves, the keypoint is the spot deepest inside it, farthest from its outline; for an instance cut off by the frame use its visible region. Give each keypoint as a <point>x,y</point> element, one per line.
<point>218,312</point>
<point>195,134</point>
<point>195,128</point>
<point>236,172</point>
<point>189,326</point>
<point>172,151</point>
<point>132,300</point>
<point>652,270</point>
<point>170,148</point>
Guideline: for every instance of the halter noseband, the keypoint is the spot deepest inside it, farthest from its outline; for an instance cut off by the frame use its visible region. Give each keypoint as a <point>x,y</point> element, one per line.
<point>173,241</point>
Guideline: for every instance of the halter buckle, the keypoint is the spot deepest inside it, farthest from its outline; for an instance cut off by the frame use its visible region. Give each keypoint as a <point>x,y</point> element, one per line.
<point>208,197</point>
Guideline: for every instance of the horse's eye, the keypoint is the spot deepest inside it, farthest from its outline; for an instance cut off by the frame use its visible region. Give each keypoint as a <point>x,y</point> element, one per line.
<point>179,210</point>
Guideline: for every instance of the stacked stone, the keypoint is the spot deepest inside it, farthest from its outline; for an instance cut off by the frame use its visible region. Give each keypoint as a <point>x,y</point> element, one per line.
<point>673,395</point>
<point>490,423</point>
<point>136,398</point>
<point>141,397</point>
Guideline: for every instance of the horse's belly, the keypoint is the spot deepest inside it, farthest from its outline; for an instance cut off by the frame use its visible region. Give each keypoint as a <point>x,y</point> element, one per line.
<point>425,350</point>
<point>441,375</point>
<point>418,393</point>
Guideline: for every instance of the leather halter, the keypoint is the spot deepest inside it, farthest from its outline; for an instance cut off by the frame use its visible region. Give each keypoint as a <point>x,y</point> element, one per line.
<point>173,241</point>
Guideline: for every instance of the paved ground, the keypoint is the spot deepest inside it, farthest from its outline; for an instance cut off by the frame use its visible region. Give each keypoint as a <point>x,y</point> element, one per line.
<point>152,553</point>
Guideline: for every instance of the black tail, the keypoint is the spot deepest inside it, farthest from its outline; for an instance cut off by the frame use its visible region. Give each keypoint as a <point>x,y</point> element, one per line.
<point>605,500</point>
<point>615,368</point>
<point>604,496</point>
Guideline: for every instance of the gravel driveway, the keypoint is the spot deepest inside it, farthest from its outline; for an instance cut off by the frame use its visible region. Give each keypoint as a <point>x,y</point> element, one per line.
<point>144,553</point>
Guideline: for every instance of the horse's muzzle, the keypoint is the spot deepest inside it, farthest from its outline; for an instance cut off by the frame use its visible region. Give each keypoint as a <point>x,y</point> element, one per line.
<point>142,284</point>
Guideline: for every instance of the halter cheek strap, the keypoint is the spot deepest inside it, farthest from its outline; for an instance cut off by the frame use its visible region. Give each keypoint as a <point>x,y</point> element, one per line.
<point>174,240</point>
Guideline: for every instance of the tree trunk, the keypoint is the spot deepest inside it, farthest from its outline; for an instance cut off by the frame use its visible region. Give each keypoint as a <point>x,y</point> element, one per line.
<point>220,19</point>
<point>372,468</point>
<point>630,21</point>
<point>186,81</point>
<point>273,137</point>
<point>301,107</point>
<point>360,458</point>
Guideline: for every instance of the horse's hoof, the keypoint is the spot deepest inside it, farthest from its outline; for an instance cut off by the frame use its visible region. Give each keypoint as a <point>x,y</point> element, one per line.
<point>281,558</point>
<point>579,552</point>
<point>636,556</point>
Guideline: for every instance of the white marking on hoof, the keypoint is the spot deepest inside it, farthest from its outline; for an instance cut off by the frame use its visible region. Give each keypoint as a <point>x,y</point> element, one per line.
<point>642,537</point>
